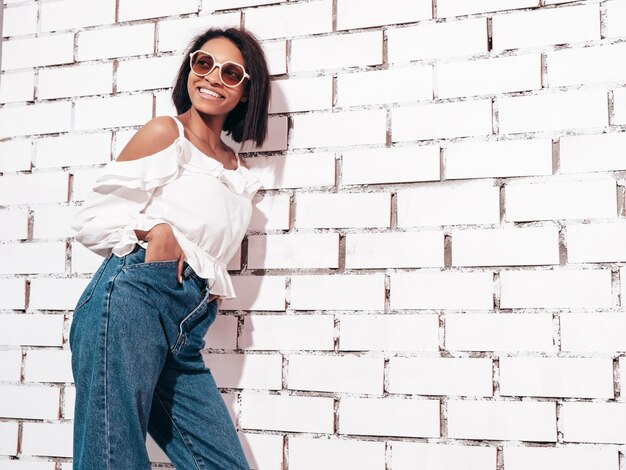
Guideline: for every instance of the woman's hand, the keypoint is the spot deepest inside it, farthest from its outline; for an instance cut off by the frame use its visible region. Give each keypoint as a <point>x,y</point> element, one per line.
<point>163,246</point>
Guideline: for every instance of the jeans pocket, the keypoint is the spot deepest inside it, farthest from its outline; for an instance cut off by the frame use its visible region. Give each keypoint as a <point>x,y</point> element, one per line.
<point>151,264</point>
<point>191,321</point>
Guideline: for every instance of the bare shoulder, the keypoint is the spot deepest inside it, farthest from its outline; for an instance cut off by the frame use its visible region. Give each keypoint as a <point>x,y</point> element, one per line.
<point>156,135</point>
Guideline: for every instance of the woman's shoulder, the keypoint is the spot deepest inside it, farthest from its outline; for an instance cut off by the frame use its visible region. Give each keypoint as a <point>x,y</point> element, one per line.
<point>155,136</point>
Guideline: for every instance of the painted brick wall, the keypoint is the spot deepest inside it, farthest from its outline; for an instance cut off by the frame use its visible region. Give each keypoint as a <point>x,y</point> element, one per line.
<point>434,274</point>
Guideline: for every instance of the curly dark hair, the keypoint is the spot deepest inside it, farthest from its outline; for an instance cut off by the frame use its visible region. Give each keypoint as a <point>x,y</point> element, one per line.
<point>247,120</point>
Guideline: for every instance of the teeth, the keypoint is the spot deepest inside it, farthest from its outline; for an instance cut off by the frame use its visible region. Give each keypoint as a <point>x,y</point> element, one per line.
<point>209,92</point>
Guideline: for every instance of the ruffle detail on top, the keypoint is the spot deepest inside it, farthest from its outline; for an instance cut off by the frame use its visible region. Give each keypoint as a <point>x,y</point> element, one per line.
<point>160,168</point>
<point>207,266</point>
<point>241,180</point>
<point>144,173</point>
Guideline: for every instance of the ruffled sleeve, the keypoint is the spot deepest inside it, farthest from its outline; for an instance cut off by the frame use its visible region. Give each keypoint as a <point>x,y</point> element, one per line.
<point>112,212</point>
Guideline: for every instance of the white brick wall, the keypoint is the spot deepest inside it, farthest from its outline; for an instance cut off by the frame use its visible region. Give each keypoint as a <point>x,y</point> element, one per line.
<point>434,274</point>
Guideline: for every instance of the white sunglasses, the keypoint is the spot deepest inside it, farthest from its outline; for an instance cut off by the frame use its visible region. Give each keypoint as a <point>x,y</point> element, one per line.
<point>231,73</point>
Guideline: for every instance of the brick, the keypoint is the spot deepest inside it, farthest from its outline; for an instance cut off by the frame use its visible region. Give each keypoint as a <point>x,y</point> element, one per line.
<point>619,106</point>
<point>432,40</point>
<point>586,153</point>
<point>402,164</point>
<point>32,52</point>
<point>30,465</point>
<point>48,366</point>
<point>228,4</point>
<point>475,202</point>
<point>499,332</point>
<point>287,332</point>
<point>595,243</point>
<point>505,247</point>
<point>554,199</point>
<point>337,51</point>
<point>396,249</point>
<point>389,332</point>
<point>31,330</point>
<point>332,453</point>
<point>336,210</point>
<point>117,41</point>
<point>130,10</point>
<point>549,25</point>
<point>47,439</point>
<point>560,458</point>
<point>34,402</point>
<point>34,188</point>
<point>13,293</point>
<point>556,289</point>
<point>61,82</point>
<point>502,420</point>
<point>602,64</point>
<point>406,455</point>
<point>269,213</point>
<point>379,417</point>
<point>19,20</point>
<point>338,129</point>
<point>340,292</point>
<point>294,171</point>
<point>265,450</point>
<point>553,111</point>
<point>10,366</point>
<point>615,20</point>
<point>9,432</point>
<point>301,94</point>
<point>175,34</point>
<point>147,74</point>
<point>73,150</point>
<point>432,290</point>
<point>83,182</point>
<point>460,7</point>
<point>56,294</point>
<point>601,423</point>
<point>440,376</point>
<point>32,258</point>
<point>40,118</point>
<point>13,224</point>
<point>262,371</point>
<point>302,250</point>
<point>129,110</point>
<point>16,154</point>
<point>556,377</point>
<point>599,332</point>
<point>74,14</point>
<point>441,120</point>
<point>405,84</point>
<point>353,14</point>
<point>289,20</point>
<point>349,374</point>
<point>17,86</point>
<point>223,333</point>
<point>498,158</point>
<point>257,293</point>
<point>490,76</point>
<point>286,413</point>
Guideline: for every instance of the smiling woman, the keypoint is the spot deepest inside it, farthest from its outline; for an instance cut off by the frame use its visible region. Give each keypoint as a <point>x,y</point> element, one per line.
<point>168,214</point>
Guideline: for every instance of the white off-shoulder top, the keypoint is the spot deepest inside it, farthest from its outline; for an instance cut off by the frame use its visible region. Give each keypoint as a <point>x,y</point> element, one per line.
<point>208,207</point>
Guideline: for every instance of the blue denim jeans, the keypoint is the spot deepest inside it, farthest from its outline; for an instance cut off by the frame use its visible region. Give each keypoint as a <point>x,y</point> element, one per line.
<point>135,339</point>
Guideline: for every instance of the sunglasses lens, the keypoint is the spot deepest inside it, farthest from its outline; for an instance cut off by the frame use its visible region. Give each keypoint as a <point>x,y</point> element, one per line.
<point>232,74</point>
<point>202,63</point>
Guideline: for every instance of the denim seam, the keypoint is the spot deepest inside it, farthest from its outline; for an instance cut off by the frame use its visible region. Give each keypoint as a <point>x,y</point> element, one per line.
<point>179,432</point>
<point>106,371</point>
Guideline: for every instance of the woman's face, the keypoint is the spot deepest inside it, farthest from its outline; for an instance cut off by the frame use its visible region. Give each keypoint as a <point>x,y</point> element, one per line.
<point>223,50</point>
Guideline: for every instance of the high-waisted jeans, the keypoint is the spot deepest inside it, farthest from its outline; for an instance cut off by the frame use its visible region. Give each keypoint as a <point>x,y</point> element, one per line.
<point>135,339</point>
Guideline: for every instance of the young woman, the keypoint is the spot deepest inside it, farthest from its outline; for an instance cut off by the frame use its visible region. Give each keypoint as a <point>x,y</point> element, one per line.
<point>168,215</point>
